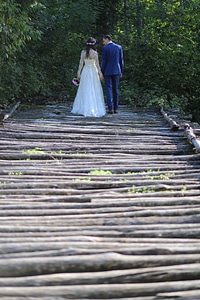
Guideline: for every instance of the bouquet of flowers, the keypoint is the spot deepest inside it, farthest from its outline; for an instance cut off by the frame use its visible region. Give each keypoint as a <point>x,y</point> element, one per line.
<point>75,81</point>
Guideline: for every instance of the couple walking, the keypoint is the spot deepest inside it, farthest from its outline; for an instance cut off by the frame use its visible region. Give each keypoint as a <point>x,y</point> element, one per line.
<point>89,100</point>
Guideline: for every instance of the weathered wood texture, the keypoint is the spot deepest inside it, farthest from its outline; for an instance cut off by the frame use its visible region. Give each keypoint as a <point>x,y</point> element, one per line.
<point>98,208</point>
<point>190,133</point>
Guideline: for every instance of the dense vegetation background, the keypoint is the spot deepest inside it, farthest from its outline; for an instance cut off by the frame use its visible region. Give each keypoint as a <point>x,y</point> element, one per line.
<point>41,41</point>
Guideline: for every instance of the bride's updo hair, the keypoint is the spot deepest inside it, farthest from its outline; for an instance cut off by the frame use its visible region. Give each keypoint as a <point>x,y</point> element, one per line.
<point>91,42</point>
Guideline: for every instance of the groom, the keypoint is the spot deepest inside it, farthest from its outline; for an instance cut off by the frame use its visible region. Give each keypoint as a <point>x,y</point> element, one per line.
<point>112,67</point>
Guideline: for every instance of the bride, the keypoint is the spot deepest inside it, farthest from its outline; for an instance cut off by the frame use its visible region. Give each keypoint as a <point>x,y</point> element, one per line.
<point>89,100</point>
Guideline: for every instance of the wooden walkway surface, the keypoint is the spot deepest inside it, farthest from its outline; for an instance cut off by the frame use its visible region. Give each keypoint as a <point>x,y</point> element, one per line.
<point>98,208</point>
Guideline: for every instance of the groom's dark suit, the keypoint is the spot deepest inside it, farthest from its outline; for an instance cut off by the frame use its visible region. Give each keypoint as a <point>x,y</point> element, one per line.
<point>112,68</point>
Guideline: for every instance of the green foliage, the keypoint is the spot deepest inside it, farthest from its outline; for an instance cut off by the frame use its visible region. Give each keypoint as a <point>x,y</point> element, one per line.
<point>15,173</point>
<point>144,189</point>
<point>16,31</point>
<point>41,42</point>
<point>66,25</point>
<point>33,151</point>
<point>100,172</point>
<point>163,54</point>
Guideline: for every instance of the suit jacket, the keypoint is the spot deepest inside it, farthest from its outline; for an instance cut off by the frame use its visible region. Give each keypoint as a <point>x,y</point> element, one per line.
<point>112,59</point>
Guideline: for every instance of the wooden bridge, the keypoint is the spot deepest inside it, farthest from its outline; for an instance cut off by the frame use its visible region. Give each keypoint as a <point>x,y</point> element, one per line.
<point>98,208</point>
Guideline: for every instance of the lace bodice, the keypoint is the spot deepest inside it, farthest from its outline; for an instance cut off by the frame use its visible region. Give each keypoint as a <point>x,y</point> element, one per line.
<point>93,59</point>
<point>89,62</point>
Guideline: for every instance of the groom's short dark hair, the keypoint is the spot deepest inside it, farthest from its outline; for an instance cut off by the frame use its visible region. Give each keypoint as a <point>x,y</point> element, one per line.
<point>107,36</point>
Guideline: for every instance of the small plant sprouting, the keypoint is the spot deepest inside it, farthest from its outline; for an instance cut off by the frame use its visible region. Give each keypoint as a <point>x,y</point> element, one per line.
<point>38,150</point>
<point>184,189</point>
<point>144,189</point>
<point>58,152</point>
<point>33,151</point>
<point>100,172</point>
<point>132,190</point>
<point>160,176</point>
<point>15,173</point>
<point>82,179</point>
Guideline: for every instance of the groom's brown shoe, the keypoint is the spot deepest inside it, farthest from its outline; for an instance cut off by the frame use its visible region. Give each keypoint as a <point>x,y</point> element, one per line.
<point>115,112</point>
<point>110,112</point>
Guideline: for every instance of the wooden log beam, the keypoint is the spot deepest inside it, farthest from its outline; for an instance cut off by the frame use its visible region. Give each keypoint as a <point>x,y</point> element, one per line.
<point>19,224</point>
<point>180,295</point>
<point>189,133</point>
<point>151,274</point>
<point>88,263</point>
<point>173,124</point>
<point>102,291</point>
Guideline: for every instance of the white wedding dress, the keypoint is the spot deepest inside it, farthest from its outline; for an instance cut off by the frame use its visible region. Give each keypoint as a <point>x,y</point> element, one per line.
<point>89,100</point>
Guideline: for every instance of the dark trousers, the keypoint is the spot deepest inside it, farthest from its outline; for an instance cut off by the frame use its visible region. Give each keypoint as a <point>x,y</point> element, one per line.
<point>112,95</point>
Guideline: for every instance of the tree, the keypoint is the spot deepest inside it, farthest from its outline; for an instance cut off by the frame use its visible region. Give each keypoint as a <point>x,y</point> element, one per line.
<point>41,43</point>
<point>15,32</point>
